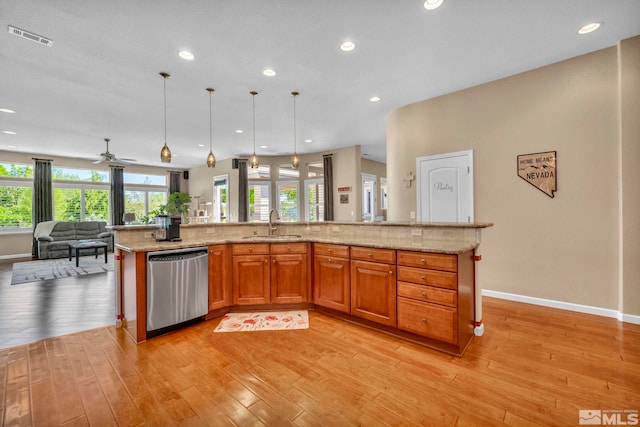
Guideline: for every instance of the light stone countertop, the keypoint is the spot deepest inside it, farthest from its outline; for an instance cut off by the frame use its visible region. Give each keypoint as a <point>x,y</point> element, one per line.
<point>438,246</point>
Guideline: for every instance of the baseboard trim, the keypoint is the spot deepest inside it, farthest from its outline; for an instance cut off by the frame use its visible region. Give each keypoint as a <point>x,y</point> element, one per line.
<point>562,305</point>
<point>12,256</point>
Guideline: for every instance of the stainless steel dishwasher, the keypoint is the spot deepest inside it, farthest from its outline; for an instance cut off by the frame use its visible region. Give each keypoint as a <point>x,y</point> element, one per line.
<point>177,288</point>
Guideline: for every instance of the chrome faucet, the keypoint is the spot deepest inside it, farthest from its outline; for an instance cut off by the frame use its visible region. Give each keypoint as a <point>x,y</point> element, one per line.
<point>272,224</point>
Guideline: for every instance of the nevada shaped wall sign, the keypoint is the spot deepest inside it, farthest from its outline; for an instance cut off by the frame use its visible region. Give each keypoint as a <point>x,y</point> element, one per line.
<point>539,170</point>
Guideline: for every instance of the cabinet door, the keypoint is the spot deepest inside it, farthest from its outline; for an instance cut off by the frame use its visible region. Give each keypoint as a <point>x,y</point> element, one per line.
<point>289,278</point>
<point>373,292</point>
<point>219,295</point>
<point>331,280</point>
<point>251,279</point>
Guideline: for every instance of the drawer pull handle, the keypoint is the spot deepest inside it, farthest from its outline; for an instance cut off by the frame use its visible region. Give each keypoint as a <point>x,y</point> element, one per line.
<point>424,320</point>
<point>424,294</point>
<point>274,261</point>
<point>390,272</point>
<point>424,277</point>
<point>250,249</point>
<point>370,255</point>
<point>329,250</point>
<point>288,248</point>
<point>330,260</point>
<point>265,260</point>
<point>423,260</point>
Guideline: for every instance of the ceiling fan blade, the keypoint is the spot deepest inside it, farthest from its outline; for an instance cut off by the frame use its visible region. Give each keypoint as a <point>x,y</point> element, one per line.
<point>126,159</point>
<point>120,161</point>
<point>98,161</point>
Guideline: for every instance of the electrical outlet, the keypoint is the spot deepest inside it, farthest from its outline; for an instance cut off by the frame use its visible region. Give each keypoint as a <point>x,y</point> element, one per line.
<point>416,232</point>
<point>412,215</point>
<point>211,230</point>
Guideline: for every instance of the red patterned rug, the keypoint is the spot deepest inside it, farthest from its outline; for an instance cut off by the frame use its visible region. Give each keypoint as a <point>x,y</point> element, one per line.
<point>264,321</point>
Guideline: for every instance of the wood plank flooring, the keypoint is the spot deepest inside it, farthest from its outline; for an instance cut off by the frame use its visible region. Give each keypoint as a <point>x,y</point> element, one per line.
<point>533,366</point>
<point>32,311</point>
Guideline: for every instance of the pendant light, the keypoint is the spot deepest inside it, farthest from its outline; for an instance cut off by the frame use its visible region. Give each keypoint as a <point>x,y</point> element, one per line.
<point>211,159</point>
<point>295,161</point>
<point>254,159</point>
<point>165,153</point>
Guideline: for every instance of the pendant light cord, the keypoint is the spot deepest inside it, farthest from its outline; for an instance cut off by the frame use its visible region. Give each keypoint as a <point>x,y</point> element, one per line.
<point>210,124</point>
<point>294,124</point>
<point>253,95</point>
<point>164,80</point>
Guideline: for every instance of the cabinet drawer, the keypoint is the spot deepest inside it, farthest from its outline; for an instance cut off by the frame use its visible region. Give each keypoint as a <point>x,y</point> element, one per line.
<point>250,248</point>
<point>444,262</point>
<point>428,320</point>
<point>387,256</point>
<point>428,294</point>
<point>421,276</point>
<point>327,249</point>
<point>288,248</point>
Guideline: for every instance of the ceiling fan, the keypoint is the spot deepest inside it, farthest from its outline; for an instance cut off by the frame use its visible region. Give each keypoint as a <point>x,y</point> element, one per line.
<point>109,157</point>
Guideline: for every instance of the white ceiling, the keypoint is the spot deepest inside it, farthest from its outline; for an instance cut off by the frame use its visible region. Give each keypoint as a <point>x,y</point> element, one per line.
<point>100,79</point>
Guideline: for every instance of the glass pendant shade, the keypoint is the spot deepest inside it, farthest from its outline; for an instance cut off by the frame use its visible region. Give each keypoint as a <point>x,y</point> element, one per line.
<point>254,159</point>
<point>165,153</point>
<point>211,159</point>
<point>295,161</point>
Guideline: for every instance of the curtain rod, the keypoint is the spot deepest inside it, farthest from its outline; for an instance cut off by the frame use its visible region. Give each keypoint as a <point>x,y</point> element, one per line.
<point>42,160</point>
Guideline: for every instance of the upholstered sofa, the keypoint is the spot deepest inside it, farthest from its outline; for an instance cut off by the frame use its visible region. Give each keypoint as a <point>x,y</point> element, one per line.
<point>53,237</point>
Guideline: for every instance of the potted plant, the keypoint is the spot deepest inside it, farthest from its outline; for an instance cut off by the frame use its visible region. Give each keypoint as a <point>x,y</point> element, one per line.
<point>177,204</point>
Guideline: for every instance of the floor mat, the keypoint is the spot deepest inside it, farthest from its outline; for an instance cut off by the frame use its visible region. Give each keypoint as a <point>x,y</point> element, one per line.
<point>264,321</point>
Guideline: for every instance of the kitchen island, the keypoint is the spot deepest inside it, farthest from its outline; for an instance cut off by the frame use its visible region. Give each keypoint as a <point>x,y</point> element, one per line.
<point>414,280</point>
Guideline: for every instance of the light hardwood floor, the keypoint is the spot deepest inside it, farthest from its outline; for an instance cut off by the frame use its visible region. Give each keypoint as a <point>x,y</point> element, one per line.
<point>533,366</point>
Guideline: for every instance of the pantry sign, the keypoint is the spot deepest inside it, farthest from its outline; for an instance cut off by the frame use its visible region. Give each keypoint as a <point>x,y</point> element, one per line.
<point>539,170</point>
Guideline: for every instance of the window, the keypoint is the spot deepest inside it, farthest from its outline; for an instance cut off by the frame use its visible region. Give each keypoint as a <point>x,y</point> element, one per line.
<point>315,170</point>
<point>288,201</point>
<point>261,172</point>
<point>146,179</point>
<point>314,199</point>
<point>80,194</point>
<point>144,194</point>
<point>16,192</point>
<point>287,172</point>
<point>259,201</point>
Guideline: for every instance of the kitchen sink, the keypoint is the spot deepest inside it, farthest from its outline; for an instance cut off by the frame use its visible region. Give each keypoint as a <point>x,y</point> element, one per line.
<point>275,237</point>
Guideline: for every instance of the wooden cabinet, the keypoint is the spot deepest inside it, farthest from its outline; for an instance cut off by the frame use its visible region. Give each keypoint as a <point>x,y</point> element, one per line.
<point>251,274</point>
<point>435,296</point>
<point>219,293</point>
<point>373,285</point>
<point>289,273</point>
<point>331,277</point>
<point>270,273</point>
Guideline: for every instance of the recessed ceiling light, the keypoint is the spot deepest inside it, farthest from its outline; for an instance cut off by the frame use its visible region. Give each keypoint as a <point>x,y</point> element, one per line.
<point>586,29</point>
<point>239,131</point>
<point>11,146</point>
<point>186,55</point>
<point>269,72</point>
<point>308,140</point>
<point>432,4</point>
<point>374,99</point>
<point>8,132</point>
<point>200,145</point>
<point>6,110</point>
<point>347,46</point>
<point>264,146</point>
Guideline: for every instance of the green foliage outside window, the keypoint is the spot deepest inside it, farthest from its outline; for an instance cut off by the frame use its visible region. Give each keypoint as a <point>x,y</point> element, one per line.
<point>15,199</point>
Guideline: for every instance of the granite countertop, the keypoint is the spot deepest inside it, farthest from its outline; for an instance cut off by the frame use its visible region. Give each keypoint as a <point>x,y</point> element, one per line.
<point>447,247</point>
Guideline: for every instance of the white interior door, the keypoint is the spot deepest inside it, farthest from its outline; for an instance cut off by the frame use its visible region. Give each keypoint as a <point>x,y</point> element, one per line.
<point>445,187</point>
